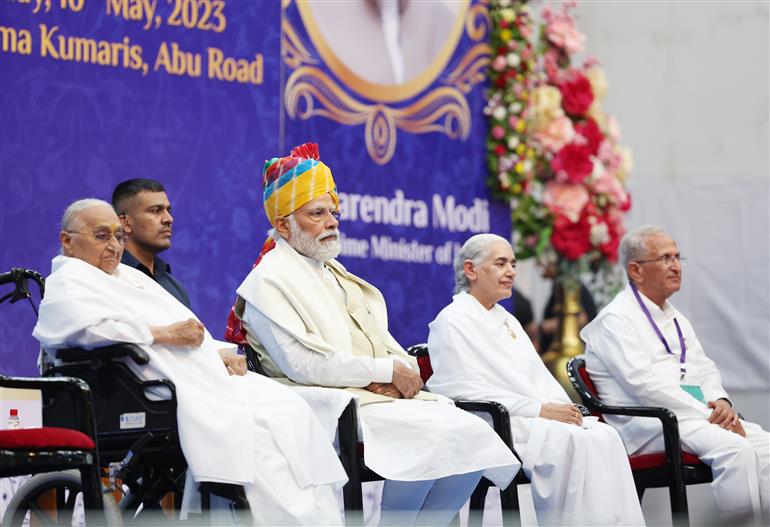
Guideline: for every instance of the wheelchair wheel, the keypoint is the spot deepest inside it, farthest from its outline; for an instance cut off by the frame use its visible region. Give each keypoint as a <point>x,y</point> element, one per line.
<point>25,507</point>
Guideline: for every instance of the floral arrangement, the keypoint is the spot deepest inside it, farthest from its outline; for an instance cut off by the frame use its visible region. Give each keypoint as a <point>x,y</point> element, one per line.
<point>552,152</point>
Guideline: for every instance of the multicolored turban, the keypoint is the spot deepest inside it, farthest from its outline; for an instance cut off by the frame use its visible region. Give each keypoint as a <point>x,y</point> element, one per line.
<point>290,182</point>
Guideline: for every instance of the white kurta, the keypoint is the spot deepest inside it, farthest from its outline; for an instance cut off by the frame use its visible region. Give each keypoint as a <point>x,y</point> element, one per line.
<point>630,367</point>
<point>244,430</point>
<point>580,476</point>
<point>298,322</point>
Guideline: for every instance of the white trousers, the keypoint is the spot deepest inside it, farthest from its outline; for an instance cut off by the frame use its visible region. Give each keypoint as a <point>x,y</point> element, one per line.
<point>740,466</point>
<point>429,502</point>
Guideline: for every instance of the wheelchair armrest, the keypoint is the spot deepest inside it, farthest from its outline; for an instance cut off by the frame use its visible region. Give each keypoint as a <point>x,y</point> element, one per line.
<point>113,351</point>
<point>77,389</point>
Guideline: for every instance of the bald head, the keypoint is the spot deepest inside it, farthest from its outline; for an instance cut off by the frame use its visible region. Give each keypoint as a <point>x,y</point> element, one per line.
<point>91,231</point>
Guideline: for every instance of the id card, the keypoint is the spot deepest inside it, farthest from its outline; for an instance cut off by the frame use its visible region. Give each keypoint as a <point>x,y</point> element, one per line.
<point>695,391</point>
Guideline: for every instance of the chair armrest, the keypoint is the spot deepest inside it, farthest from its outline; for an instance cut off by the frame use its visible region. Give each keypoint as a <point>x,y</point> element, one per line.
<point>501,421</point>
<point>77,389</point>
<point>111,352</point>
<point>667,419</point>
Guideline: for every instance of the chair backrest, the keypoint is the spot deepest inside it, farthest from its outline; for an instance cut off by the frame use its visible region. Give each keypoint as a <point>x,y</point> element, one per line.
<point>420,352</point>
<point>581,381</point>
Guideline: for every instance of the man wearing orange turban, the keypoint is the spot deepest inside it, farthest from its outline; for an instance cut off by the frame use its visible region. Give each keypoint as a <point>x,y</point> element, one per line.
<point>313,323</point>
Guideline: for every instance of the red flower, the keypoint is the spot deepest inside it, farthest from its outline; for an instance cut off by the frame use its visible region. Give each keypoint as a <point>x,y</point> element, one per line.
<point>576,94</point>
<point>589,130</point>
<point>571,240</point>
<point>500,150</point>
<point>613,218</point>
<point>572,163</point>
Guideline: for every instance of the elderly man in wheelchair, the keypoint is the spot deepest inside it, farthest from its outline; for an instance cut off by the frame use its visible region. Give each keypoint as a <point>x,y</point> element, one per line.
<point>236,430</point>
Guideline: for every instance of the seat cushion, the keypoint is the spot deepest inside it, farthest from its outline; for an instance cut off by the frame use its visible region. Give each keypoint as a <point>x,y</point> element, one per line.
<point>45,438</point>
<point>658,460</point>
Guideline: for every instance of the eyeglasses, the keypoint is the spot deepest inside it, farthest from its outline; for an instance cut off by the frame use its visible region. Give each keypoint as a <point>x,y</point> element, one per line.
<point>666,259</point>
<point>317,215</point>
<point>105,235</point>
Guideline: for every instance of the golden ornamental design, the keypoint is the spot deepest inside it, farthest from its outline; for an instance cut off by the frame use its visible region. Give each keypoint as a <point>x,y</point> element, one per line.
<point>381,108</point>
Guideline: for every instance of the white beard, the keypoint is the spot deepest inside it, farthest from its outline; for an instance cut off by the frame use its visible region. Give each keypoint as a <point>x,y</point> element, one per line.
<point>312,247</point>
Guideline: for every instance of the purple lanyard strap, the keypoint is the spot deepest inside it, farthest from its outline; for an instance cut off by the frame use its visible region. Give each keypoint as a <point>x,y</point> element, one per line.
<point>683,355</point>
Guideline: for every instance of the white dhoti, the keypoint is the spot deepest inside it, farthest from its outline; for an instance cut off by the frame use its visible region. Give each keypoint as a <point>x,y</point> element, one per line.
<point>245,430</point>
<point>580,476</point>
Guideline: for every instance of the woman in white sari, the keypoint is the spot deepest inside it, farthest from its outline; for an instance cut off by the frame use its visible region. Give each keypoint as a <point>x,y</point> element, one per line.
<point>579,468</point>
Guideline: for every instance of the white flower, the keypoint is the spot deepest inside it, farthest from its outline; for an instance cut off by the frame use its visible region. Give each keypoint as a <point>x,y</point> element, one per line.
<point>600,234</point>
<point>598,171</point>
<point>513,142</point>
<point>627,164</point>
<point>513,60</point>
<point>504,3</point>
<point>514,107</point>
<point>499,113</point>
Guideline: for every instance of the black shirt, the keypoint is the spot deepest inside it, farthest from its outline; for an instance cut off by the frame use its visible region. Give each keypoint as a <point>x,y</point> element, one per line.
<point>162,276</point>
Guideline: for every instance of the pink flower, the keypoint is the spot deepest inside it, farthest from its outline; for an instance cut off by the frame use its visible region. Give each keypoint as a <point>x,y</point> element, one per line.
<point>551,64</point>
<point>498,132</point>
<point>557,133</point>
<point>499,63</point>
<point>565,199</point>
<point>531,240</point>
<point>609,157</point>
<point>513,121</point>
<point>562,33</point>
<point>608,184</point>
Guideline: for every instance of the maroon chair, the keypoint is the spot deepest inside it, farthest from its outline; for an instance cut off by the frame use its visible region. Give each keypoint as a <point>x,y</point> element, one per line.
<point>501,422</point>
<point>52,449</point>
<point>671,468</point>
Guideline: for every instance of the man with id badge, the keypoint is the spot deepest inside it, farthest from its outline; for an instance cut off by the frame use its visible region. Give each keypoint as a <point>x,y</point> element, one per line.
<point>641,351</point>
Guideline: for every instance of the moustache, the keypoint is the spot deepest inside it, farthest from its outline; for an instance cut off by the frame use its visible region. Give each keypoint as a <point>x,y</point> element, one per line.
<point>327,233</point>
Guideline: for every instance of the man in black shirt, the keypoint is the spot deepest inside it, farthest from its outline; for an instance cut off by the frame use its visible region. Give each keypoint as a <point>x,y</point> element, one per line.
<point>145,212</point>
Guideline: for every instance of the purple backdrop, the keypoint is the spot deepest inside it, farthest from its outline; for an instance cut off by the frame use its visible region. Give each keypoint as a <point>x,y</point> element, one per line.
<point>73,128</point>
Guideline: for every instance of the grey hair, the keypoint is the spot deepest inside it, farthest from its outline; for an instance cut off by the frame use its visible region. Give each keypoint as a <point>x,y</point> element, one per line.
<point>475,249</point>
<point>76,208</point>
<point>633,246</point>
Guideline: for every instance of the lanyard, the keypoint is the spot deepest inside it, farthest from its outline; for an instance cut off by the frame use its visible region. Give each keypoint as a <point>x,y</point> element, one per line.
<point>683,354</point>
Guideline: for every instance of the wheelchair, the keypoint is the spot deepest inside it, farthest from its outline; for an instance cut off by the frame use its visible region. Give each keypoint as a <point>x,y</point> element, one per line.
<point>142,466</point>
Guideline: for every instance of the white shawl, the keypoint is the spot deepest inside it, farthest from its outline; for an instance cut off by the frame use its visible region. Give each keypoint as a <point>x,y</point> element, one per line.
<point>216,412</point>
